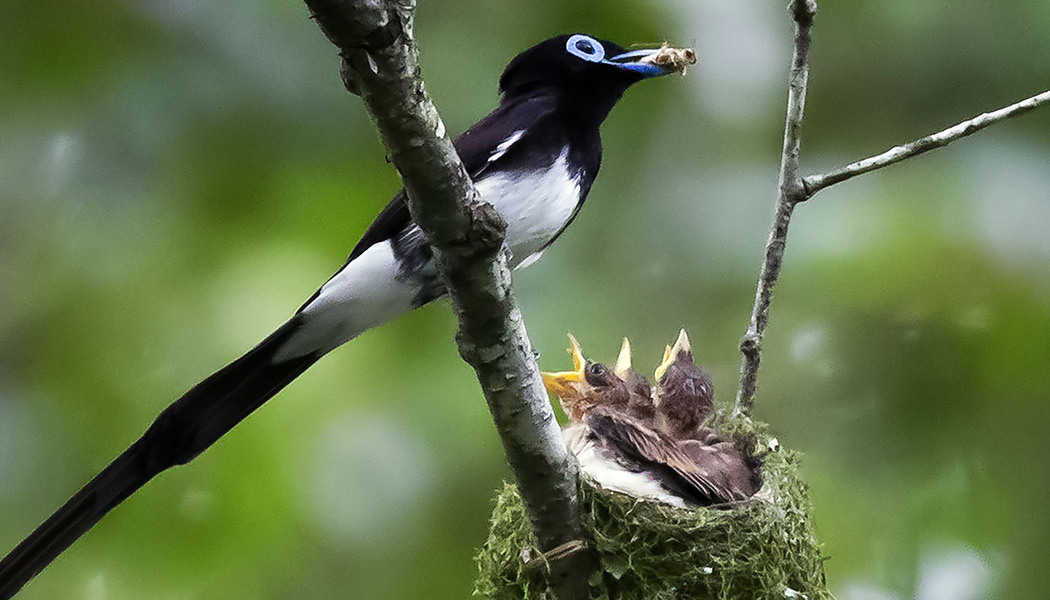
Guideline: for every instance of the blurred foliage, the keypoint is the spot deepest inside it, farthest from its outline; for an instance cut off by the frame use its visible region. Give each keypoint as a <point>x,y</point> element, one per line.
<point>176,177</point>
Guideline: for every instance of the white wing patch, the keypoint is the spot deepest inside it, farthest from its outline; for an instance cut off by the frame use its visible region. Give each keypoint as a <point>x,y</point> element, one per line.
<point>505,145</point>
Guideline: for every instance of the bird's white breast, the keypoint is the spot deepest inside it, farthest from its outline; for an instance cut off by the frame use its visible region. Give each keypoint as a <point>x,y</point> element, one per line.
<point>535,204</point>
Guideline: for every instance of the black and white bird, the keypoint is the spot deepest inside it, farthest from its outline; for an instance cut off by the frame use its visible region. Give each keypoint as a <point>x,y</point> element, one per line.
<point>534,159</point>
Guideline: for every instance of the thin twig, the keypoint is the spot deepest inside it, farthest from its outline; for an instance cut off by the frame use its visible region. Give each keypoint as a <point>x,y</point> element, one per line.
<point>381,65</point>
<point>791,193</point>
<point>795,189</point>
<point>815,183</point>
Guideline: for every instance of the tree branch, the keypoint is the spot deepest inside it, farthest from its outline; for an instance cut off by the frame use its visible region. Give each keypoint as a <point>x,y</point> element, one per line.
<point>380,63</point>
<point>791,193</point>
<point>815,183</point>
<point>795,189</point>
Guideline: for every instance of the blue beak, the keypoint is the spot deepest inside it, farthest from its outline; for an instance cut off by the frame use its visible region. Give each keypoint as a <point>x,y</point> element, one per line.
<point>629,61</point>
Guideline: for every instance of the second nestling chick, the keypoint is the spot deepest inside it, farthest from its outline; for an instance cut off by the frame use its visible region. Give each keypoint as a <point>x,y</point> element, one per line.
<point>684,394</point>
<point>640,391</point>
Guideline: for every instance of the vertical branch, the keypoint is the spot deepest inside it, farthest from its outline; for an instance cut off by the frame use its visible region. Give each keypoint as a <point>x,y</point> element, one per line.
<point>791,193</point>
<point>380,63</point>
<point>795,189</point>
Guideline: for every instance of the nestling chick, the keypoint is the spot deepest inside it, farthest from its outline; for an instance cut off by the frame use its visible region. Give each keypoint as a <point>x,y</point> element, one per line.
<point>623,453</point>
<point>640,398</point>
<point>684,395</point>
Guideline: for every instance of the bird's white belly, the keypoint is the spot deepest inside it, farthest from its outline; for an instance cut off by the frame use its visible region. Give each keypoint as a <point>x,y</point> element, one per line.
<point>534,205</point>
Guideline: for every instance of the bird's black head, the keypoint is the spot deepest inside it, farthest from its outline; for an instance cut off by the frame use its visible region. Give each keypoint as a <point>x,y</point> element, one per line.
<point>589,72</point>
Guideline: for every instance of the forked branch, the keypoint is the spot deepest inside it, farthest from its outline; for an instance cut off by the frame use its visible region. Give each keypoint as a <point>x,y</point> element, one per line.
<point>791,193</point>
<point>794,189</point>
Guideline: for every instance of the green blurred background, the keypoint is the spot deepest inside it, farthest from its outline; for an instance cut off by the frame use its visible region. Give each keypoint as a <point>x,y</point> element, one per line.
<point>177,176</point>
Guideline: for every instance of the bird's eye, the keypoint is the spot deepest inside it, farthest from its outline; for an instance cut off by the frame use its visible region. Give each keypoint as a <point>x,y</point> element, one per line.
<point>585,47</point>
<point>595,375</point>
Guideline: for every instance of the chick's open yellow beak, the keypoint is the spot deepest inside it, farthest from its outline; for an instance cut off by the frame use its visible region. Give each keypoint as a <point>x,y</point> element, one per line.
<point>671,353</point>
<point>561,383</point>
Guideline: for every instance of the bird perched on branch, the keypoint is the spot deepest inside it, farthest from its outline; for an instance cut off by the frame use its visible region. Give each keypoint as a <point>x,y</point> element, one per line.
<point>533,158</point>
<point>622,452</point>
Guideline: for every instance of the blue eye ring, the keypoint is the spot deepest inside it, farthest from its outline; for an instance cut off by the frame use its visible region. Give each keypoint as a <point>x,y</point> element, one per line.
<point>585,47</point>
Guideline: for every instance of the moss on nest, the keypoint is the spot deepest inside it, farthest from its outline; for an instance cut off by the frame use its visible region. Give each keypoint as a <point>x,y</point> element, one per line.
<point>761,548</point>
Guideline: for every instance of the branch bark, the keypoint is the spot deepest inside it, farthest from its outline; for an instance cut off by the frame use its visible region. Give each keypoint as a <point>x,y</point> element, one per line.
<point>380,63</point>
<point>791,193</point>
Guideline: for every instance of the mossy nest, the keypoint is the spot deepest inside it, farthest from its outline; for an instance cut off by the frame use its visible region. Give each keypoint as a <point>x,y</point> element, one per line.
<point>761,548</point>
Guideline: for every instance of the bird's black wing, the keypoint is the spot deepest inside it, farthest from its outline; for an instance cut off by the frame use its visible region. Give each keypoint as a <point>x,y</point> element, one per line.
<point>479,150</point>
<point>388,223</point>
<point>660,455</point>
<point>391,220</point>
<point>476,148</point>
